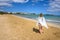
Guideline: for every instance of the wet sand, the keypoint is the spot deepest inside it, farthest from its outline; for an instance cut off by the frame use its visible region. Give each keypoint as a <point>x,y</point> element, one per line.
<point>14,28</point>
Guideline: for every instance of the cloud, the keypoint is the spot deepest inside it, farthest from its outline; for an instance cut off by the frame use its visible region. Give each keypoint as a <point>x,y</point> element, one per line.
<point>1,10</point>
<point>21,1</point>
<point>9,2</point>
<point>37,0</point>
<point>5,3</point>
<point>4,0</point>
<point>54,6</point>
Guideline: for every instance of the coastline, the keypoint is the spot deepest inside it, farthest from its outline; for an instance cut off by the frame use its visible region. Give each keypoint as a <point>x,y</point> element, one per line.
<point>17,28</point>
<point>48,23</point>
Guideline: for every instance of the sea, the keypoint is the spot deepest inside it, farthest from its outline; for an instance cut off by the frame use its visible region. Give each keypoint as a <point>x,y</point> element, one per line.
<point>49,18</point>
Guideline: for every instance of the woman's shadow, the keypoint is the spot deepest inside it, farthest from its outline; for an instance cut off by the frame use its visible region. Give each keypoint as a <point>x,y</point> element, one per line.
<point>35,30</point>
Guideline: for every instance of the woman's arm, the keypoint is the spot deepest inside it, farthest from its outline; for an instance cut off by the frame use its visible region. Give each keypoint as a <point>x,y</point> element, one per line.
<point>45,24</point>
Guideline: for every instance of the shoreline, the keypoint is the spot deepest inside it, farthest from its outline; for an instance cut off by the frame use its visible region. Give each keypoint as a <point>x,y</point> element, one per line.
<point>48,23</point>
<point>17,28</point>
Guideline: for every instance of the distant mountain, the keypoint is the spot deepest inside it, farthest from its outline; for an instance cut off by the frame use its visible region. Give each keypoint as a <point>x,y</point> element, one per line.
<point>49,15</point>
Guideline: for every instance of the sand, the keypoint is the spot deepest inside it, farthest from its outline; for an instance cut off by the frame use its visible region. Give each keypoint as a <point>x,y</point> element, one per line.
<point>14,28</point>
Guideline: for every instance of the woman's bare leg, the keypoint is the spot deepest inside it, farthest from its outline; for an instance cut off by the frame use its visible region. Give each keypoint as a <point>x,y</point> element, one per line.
<point>40,28</point>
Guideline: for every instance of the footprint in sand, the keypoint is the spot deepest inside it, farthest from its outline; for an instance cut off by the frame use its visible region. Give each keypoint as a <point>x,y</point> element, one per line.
<point>57,34</point>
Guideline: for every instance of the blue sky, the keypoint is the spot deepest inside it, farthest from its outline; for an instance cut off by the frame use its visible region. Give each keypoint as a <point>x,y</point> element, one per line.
<point>31,6</point>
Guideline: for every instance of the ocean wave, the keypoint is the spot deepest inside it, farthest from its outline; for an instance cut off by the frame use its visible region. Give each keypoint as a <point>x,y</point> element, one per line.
<point>53,20</point>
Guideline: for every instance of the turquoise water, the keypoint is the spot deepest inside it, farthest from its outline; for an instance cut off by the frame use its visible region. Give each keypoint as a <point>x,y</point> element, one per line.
<point>54,19</point>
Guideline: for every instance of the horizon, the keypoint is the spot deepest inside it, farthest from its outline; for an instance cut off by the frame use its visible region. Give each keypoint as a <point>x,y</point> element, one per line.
<point>31,6</point>
<point>29,13</point>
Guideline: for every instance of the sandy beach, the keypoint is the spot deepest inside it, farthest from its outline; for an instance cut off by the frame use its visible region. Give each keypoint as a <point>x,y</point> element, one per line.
<point>17,28</point>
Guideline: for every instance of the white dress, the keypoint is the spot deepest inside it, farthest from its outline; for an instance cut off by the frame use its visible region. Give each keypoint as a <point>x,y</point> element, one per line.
<point>42,21</point>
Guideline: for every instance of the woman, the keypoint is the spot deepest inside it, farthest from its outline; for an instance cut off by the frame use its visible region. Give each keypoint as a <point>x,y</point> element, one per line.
<point>41,22</point>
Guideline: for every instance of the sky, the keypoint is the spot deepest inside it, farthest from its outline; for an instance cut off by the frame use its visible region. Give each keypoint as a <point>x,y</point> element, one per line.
<point>31,6</point>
